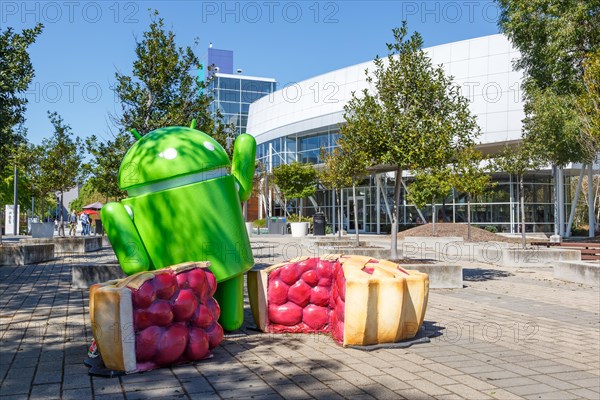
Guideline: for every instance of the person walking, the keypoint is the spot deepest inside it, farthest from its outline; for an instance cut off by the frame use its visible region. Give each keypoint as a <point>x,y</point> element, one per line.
<point>85,224</point>
<point>72,223</point>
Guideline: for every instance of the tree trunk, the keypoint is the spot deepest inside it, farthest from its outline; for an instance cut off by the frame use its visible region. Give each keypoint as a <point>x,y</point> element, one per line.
<point>61,225</point>
<point>340,222</point>
<point>395,214</point>
<point>433,217</point>
<point>523,240</point>
<point>468,217</point>
<point>355,213</point>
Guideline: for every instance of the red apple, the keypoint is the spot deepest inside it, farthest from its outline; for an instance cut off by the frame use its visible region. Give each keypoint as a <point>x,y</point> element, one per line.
<point>197,347</point>
<point>287,314</point>
<point>203,317</point>
<point>315,317</point>
<point>278,292</point>
<point>198,283</point>
<point>144,296</point>
<point>160,313</point>
<point>184,305</point>
<point>146,343</point>
<point>212,284</point>
<point>171,345</point>
<point>319,295</point>
<point>215,335</point>
<point>165,284</point>
<point>290,274</point>
<point>299,293</point>
<point>311,277</point>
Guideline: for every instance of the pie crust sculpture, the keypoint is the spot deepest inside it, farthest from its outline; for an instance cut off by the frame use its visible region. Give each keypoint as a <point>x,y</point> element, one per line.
<point>156,318</point>
<point>359,300</point>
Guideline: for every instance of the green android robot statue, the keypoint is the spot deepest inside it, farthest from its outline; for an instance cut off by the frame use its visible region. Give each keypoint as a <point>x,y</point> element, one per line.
<point>184,205</point>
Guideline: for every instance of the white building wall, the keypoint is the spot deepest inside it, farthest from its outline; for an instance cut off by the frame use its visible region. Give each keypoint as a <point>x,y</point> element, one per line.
<point>481,66</point>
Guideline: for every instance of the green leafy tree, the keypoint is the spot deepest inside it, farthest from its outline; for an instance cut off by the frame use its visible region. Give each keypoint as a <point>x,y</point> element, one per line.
<point>162,90</point>
<point>33,158</point>
<point>430,186</point>
<point>471,178</point>
<point>16,73</point>
<point>413,117</point>
<point>334,176</point>
<point>104,164</point>
<point>588,103</point>
<point>518,161</point>
<point>555,39</point>
<point>295,181</point>
<point>62,164</point>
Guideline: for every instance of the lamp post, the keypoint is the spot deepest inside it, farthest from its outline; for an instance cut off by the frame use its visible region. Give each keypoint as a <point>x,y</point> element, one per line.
<point>15,205</point>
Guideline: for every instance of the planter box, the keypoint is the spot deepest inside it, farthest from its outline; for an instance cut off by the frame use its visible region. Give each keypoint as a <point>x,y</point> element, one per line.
<point>25,254</point>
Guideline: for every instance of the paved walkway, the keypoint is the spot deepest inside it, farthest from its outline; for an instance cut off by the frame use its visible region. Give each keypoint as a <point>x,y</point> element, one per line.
<point>510,333</point>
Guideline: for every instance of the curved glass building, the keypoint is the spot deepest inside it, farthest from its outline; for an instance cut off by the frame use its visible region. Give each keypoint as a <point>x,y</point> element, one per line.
<point>298,120</point>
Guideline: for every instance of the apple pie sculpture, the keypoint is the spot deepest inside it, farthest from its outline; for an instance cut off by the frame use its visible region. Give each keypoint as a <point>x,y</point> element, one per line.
<point>156,318</point>
<point>359,300</point>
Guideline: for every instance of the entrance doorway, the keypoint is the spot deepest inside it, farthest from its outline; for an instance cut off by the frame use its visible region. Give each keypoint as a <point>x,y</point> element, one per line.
<point>362,214</point>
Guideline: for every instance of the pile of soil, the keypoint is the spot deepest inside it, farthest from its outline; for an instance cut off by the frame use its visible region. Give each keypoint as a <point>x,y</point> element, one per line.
<point>456,230</point>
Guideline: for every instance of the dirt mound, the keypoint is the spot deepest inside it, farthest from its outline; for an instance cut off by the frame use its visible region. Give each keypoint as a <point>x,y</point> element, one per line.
<point>458,230</point>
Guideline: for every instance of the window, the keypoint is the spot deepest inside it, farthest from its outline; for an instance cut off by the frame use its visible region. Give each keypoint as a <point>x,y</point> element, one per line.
<point>228,83</point>
<point>229,95</point>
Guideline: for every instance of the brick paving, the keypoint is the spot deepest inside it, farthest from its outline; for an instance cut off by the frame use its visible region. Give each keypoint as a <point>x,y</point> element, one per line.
<point>509,334</point>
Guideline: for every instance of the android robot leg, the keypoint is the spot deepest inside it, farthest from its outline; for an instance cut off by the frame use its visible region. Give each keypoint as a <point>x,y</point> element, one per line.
<point>230,296</point>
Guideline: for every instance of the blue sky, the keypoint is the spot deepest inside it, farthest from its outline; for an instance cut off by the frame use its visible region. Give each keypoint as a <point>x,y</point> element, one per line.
<point>84,43</point>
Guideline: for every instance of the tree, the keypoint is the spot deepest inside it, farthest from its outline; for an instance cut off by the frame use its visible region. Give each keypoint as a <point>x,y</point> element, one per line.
<point>296,181</point>
<point>518,161</point>
<point>161,91</point>
<point>588,103</point>
<point>62,164</point>
<point>36,177</point>
<point>556,40</point>
<point>471,178</point>
<point>105,163</point>
<point>335,177</point>
<point>412,118</point>
<point>429,186</point>
<point>16,72</point>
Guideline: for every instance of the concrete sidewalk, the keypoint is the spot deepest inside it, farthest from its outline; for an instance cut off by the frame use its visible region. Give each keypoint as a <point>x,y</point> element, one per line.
<point>510,333</point>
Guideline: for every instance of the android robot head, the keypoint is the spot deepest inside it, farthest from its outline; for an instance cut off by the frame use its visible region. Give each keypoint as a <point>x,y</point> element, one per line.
<point>184,205</point>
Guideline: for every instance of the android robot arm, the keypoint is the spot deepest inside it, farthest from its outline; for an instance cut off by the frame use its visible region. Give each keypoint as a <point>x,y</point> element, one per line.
<point>242,164</point>
<point>125,240</point>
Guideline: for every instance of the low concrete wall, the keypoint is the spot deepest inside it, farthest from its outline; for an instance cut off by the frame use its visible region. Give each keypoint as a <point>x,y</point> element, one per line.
<point>42,230</point>
<point>25,254</point>
<point>428,242</point>
<point>587,273</point>
<point>77,244</point>
<point>441,276</point>
<point>497,253</point>
<point>375,252</point>
<point>533,257</point>
<point>83,276</point>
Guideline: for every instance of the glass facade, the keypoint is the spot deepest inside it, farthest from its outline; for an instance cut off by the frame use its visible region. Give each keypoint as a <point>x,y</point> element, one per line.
<point>499,207</point>
<point>232,95</point>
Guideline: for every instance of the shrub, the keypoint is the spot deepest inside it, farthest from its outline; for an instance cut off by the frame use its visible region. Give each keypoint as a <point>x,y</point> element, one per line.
<point>259,223</point>
<point>491,228</point>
